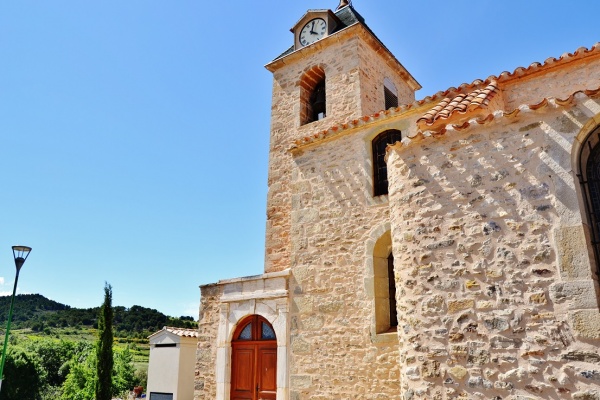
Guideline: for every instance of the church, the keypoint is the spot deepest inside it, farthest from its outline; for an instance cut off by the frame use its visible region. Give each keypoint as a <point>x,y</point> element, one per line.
<point>442,248</point>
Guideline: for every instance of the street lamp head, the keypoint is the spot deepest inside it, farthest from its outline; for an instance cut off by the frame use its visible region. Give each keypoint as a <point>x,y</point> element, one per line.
<point>20,253</point>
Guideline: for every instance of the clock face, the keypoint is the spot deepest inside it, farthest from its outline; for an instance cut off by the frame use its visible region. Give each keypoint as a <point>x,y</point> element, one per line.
<point>313,31</point>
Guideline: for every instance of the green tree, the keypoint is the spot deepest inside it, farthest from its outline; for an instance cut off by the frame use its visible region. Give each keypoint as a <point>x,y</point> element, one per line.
<point>82,379</point>
<point>104,350</point>
<point>141,377</point>
<point>52,357</point>
<point>21,377</point>
<point>54,360</point>
<point>124,372</point>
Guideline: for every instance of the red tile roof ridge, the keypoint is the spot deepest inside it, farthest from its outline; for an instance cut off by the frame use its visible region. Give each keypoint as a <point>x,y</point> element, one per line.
<point>518,72</point>
<point>504,76</point>
<point>524,108</point>
<point>442,129</point>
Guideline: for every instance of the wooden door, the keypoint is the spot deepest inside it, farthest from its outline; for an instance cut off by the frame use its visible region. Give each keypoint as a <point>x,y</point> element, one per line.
<point>242,372</point>
<point>254,361</point>
<point>267,372</point>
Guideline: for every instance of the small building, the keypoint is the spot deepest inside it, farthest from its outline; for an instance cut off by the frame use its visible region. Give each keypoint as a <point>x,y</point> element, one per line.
<point>171,365</point>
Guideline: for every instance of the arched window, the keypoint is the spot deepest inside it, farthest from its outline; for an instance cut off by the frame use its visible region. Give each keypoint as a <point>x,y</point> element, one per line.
<point>313,96</point>
<point>379,144</point>
<point>384,282</point>
<point>589,178</point>
<point>254,328</point>
<point>390,93</point>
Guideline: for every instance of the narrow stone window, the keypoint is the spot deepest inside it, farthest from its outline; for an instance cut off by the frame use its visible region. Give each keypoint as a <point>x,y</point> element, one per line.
<point>384,283</point>
<point>392,292</point>
<point>379,144</point>
<point>313,96</point>
<point>589,178</point>
<point>390,93</point>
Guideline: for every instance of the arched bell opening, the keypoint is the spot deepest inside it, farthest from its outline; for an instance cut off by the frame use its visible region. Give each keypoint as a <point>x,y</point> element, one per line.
<point>313,96</point>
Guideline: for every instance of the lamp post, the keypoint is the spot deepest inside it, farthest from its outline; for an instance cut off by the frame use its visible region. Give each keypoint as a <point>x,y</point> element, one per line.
<point>20,254</point>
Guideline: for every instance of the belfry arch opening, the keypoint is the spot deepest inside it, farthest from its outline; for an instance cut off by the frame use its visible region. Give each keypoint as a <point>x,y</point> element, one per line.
<point>390,94</point>
<point>313,96</point>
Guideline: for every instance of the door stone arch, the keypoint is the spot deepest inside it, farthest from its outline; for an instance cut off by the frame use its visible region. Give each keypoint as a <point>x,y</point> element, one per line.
<point>265,296</point>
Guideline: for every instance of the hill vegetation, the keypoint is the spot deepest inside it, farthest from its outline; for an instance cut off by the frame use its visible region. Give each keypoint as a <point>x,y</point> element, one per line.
<point>36,312</point>
<point>52,348</point>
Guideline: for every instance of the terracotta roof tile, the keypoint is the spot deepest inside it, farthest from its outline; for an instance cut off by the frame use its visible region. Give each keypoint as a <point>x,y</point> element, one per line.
<point>460,103</point>
<point>181,331</point>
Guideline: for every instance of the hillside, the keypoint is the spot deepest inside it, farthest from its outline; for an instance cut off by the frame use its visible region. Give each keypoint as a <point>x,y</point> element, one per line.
<point>36,312</point>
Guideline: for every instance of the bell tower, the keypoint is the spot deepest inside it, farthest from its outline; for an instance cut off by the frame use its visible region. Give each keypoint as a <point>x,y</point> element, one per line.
<point>333,72</point>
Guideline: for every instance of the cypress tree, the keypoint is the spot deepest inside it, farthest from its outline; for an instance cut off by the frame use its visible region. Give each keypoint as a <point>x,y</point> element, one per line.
<point>104,351</point>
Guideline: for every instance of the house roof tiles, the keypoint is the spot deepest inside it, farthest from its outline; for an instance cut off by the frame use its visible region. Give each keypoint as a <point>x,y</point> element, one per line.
<point>181,331</point>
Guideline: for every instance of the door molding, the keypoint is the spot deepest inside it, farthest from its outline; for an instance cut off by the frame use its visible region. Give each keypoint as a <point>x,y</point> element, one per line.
<point>236,304</point>
<point>253,360</point>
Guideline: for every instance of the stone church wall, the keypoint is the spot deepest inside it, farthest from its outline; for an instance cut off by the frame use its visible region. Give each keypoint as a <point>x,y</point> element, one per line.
<point>496,294</point>
<point>334,352</point>
<point>285,128</point>
<point>373,72</point>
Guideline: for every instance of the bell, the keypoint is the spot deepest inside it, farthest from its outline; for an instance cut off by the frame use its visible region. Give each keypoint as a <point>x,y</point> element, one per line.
<point>319,103</point>
<point>319,98</point>
<point>343,3</point>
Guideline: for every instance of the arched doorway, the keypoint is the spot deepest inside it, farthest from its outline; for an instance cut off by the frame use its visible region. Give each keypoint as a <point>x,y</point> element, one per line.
<point>254,360</point>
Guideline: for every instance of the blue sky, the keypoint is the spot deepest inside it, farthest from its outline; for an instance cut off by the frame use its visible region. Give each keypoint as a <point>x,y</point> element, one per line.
<point>134,134</point>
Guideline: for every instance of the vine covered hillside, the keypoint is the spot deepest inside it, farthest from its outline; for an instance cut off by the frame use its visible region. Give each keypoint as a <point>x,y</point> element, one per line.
<point>36,312</point>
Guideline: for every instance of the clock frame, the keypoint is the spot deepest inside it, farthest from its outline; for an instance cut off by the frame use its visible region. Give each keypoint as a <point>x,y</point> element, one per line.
<point>312,31</point>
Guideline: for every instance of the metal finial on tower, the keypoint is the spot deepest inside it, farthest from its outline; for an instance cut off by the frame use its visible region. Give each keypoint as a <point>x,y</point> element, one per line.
<point>343,3</point>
